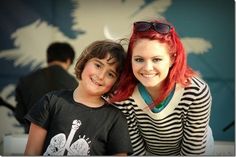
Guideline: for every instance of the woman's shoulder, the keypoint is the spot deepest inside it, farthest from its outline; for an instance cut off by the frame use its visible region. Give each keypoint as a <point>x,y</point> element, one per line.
<point>112,110</point>
<point>124,105</point>
<point>112,107</point>
<point>127,102</point>
<point>198,85</point>
<point>197,82</point>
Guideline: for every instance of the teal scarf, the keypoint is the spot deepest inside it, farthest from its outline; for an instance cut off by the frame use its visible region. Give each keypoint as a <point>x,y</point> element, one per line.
<point>147,98</point>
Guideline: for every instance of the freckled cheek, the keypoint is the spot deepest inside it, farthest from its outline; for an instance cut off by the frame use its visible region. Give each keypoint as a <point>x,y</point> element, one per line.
<point>136,66</point>
<point>136,70</point>
<point>88,70</point>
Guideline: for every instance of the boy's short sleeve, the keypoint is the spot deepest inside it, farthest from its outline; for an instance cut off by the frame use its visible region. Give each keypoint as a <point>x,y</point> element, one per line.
<point>39,113</point>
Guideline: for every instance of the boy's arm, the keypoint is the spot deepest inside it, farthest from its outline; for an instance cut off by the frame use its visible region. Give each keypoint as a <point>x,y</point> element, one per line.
<point>36,140</point>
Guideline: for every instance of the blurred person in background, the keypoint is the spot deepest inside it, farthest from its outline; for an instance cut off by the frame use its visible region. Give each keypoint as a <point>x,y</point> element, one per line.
<point>30,88</point>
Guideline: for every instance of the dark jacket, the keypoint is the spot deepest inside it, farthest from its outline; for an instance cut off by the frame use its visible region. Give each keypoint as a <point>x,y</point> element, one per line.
<point>33,86</point>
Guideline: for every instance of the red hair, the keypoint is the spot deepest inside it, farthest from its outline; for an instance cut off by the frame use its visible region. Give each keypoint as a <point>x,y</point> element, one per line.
<point>179,72</point>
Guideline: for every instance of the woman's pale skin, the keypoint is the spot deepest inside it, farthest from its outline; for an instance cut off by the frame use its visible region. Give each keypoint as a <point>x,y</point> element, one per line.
<point>151,63</point>
<point>98,77</point>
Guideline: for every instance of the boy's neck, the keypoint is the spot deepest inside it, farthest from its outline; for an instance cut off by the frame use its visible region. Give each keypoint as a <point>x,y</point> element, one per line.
<point>91,101</point>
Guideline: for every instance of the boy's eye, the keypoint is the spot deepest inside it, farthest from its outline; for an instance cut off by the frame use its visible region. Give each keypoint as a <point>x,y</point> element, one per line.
<point>97,65</point>
<point>111,75</point>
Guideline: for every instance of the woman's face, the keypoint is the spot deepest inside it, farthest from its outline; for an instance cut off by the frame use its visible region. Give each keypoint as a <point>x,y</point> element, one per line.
<point>98,76</point>
<point>150,62</point>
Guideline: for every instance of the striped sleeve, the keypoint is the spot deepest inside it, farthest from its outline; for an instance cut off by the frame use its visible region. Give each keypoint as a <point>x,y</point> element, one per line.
<point>197,117</point>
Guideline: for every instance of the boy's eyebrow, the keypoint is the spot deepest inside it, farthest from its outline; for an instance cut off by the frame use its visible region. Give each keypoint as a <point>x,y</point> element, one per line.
<point>97,60</point>
<point>110,59</point>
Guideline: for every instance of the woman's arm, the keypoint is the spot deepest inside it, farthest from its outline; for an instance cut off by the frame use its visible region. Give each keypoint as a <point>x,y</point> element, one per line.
<point>197,121</point>
<point>36,140</point>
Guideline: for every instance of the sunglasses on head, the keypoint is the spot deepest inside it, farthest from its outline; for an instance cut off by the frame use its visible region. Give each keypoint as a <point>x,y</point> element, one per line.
<point>159,27</point>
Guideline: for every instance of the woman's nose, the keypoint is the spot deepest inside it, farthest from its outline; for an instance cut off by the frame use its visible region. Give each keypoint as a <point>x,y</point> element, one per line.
<point>148,66</point>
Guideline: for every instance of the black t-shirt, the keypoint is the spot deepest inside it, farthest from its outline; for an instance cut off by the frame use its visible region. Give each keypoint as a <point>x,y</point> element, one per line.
<point>75,129</point>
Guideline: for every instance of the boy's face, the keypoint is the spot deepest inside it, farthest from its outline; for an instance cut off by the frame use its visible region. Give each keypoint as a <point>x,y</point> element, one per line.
<point>99,75</point>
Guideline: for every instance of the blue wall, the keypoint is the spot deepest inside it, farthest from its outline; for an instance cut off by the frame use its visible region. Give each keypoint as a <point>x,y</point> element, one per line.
<point>213,20</point>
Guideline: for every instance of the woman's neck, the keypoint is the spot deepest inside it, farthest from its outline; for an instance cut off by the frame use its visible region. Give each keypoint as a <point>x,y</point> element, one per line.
<point>154,92</point>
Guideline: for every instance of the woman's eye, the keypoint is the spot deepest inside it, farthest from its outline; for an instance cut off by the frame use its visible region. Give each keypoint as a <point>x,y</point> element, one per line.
<point>138,59</point>
<point>156,60</point>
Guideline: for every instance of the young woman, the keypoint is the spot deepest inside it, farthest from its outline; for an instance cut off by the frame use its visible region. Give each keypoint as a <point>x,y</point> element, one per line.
<point>167,105</point>
<point>81,122</point>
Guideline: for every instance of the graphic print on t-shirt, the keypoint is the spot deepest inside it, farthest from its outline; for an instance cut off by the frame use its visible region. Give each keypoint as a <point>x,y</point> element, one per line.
<point>59,143</point>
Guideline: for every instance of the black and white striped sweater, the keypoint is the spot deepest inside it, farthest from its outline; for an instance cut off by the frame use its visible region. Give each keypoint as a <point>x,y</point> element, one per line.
<point>179,129</point>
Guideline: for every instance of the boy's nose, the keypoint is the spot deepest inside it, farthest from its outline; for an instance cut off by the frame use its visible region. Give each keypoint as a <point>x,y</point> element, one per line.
<point>101,74</point>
